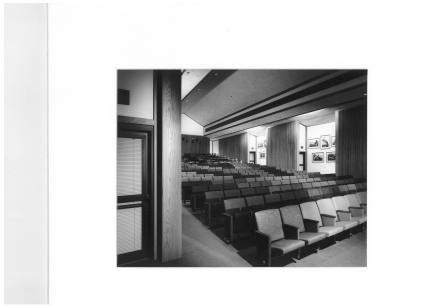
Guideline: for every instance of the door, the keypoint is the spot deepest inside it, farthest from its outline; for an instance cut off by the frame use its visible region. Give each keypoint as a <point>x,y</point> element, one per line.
<point>134,193</point>
<point>302,161</point>
<point>252,157</point>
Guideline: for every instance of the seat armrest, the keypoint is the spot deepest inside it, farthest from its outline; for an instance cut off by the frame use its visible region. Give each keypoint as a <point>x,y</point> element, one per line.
<point>263,244</point>
<point>291,232</point>
<point>311,225</point>
<point>328,220</point>
<point>343,215</point>
<point>357,211</point>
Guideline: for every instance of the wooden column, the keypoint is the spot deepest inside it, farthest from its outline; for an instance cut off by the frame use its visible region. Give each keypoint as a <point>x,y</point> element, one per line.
<point>169,191</point>
<point>351,132</point>
<point>282,147</point>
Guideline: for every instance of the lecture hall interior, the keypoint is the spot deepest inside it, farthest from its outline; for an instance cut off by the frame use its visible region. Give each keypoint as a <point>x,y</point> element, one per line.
<point>240,168</point>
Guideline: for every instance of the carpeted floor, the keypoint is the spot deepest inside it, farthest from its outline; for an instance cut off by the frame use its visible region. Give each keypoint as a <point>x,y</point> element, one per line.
<point>204,247</point>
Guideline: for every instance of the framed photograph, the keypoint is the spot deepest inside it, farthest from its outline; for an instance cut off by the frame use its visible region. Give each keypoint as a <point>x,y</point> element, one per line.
<point>313,143</point>
<point>318,157</point>
<point>333,141</point>
<point>331,157</point>
<point>262,155</point>
<point>325,142</point>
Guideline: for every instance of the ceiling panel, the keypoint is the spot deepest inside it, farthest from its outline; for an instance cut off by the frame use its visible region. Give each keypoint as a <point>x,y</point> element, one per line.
<point>243,88</point>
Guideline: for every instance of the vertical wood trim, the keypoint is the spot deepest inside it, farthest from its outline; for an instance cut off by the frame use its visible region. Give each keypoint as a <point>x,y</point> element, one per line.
<point>169,165</point>
<point>282,147</point>
<point>351,142</point>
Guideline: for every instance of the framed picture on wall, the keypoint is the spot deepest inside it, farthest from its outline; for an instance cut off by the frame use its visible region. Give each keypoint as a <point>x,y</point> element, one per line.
<point>318,157</point>
<point>313,143</point>
<point>333,141</point>
<point>331,157</point>
<point>325,142</point>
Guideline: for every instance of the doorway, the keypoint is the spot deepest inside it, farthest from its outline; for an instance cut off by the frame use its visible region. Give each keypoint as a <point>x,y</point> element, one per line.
<point>135,200</point>
<point>252,157</point>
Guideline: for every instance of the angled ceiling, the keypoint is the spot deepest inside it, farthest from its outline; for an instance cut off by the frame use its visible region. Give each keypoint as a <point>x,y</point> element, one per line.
<point>190,79</point>
<point>226,102</point>
<point>241,89</point>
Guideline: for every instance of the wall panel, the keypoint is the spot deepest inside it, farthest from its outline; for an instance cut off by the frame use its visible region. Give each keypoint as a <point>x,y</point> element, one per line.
<point>282,146</point>
<point>234,147</point>
<point>195,144</point>
<point>351,142</point>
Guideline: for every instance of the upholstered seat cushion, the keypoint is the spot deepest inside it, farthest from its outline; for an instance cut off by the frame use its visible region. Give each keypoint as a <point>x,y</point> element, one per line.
<point>312,237</point>
<point>331,230</point>
<point>346,224</point>
<point>270,222</point>
<point>285,246</point>
<point>359,219</point>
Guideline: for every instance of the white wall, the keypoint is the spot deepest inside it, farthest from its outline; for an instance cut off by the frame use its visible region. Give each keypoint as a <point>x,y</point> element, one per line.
<point>261,151</point>
<point>190,127</point>
<point>26,154</point>
<point>317,131</point>
<point>251,145</point>
<point>140,85</point>
<point>214,147</point>
<point>301,146</point>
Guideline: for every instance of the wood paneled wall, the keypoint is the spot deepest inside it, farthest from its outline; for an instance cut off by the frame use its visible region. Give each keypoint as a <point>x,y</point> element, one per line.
<point>234,147</point>
<point>282,147</point>
<point>195,144</point>
<point>351,141</point>
<point>169,194</point>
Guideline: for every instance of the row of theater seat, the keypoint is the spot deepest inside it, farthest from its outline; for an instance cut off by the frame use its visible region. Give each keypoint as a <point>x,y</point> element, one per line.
<point>273,195</point>
<point>293,227</point>
<point>238,207</point>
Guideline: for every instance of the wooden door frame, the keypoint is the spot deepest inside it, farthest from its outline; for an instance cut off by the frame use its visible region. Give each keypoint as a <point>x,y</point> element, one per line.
<point>132,128</point>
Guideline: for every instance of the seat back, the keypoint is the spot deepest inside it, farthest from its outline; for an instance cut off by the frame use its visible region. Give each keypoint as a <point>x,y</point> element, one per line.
<point>314,193</point>
<point>291,215</point>
<point>301,195</point>
<point>352,200</point>
<point>250,180</point>
<point>232,193</point>
<point>243,185</point>
<point>270,222</point>
<point>340,203</point>
<point>352,187</point>
<point>362,196</point>
<point>286,182</point>
<point>326,206</point>
<point>310,210</point>
<point>272,199</point>
<point>255,202</point>
<point>274,189</point>
<point>262,190</point>
<point>286,187</point>
<point>234,205</point>
<point>214,195</point>
<point>230,186</point>
<point>343,189</point>
<point>255,184</point>
<point>307,185</point>
<point>276,182</point>
<point>247,191</point>
<point>288,197</point>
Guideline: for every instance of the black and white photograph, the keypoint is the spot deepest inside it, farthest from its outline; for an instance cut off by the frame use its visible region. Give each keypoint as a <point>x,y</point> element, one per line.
<point>318,157</point>
<point>325,142</point>
<point>331,157</point>
<point>313,143</point>
<point>221,211</point>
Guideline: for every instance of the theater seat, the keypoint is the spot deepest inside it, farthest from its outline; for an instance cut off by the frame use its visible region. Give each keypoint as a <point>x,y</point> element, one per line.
<point>328,211</point>
<point>349,209</point>
<point>291,215</point>
<point>313,221</point>
<point>272,237</point>
<point>235,217</point>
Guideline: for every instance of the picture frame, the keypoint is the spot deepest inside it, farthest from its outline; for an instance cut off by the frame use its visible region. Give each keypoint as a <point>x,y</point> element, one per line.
<point>325,142</point>
<point>333,141</point>
<point>330,157</point>
<point>317,157</point>
<point>313,143</point>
